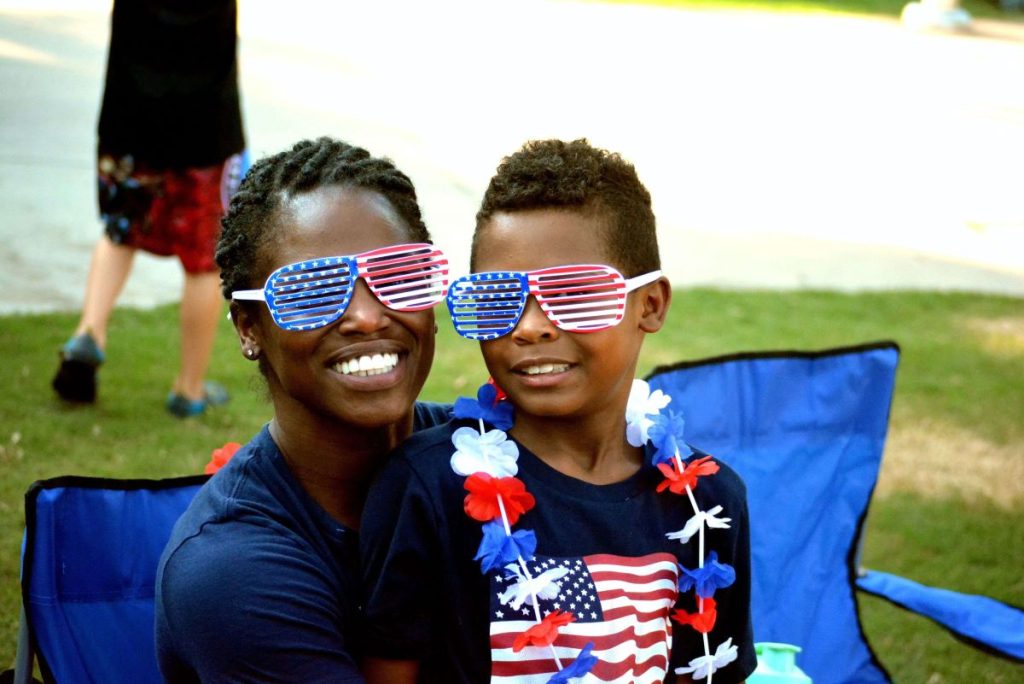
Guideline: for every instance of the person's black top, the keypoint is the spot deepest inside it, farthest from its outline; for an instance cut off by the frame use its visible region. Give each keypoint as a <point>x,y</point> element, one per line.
<point>171,96</point>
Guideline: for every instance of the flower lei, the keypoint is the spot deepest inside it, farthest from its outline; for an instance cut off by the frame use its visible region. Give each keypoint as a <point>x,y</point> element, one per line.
<point>487,459</point>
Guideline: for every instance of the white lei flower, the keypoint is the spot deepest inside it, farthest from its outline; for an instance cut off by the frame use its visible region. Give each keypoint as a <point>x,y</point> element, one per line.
<point>641,405</point>
<point>703,666</point>
<point>709,518</point>
<point>491,453</point>
<point>528,589</point>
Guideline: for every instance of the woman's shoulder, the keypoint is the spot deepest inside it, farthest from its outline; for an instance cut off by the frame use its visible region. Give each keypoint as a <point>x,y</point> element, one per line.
<point>429,445</point>
<point>422,461</point>
<point>228,562</point>
<point>427,414</point>
<point>213,499</point>
<point>249,495</point>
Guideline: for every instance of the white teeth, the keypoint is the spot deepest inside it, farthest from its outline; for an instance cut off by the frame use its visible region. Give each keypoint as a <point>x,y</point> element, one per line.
<point>368,365</point>
<point>546,368</point>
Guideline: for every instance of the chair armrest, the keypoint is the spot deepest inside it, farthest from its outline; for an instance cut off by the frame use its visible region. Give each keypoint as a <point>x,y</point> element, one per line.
<point>982,622</point>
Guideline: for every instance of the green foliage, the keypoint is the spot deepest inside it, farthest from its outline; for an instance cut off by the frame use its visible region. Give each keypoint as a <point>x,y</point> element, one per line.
<point>962,364</point>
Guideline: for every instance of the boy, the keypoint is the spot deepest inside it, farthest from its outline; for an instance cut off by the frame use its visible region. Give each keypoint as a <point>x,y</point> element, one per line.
<point>583,562</point>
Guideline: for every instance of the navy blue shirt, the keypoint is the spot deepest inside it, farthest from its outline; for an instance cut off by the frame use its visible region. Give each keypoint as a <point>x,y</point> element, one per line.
<point>427,599</point>
<point>258,583</point>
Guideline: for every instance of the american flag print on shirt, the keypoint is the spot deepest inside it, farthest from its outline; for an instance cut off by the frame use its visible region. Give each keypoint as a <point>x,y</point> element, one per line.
<point>621,604</point>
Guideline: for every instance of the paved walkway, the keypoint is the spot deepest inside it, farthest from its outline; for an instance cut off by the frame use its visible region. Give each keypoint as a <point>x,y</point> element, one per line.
<point>781,150</point>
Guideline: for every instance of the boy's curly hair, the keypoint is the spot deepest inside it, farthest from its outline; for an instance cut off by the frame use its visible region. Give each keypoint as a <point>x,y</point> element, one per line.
<point>553,174</point>
<point>252,222</point>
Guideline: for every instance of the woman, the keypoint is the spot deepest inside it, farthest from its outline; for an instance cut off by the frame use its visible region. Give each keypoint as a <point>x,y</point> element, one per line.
<point>258,581</point>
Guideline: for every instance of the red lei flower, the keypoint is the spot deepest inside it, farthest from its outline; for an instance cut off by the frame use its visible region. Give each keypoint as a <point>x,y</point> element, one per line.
<point>702,622</point>
<point>544,632</point>
<point>220,457</point>
<point>677,481</point>
<point>482,501</point>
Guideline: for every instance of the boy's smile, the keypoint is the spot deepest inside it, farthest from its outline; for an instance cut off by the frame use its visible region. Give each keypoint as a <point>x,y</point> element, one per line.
<point>547,372</point>
<point>542,368</point>
<point>542,371</point>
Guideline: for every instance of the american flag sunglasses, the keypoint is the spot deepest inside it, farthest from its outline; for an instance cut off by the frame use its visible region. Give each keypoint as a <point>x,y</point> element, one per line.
<point>576,298</point>
<point>311,294</point>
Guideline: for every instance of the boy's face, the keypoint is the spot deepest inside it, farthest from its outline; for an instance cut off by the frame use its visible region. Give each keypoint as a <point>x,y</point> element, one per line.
<point>546,371</point>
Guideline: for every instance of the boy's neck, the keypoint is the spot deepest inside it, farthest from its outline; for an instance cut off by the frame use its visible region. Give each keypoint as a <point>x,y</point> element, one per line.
<point>591,450</point>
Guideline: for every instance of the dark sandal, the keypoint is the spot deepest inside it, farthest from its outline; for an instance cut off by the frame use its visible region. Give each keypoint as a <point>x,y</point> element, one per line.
<point>76,377</point>
<point>214,394</point>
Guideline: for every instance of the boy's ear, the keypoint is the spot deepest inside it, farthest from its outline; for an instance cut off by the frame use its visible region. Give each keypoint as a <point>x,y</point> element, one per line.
<point>655,300</point>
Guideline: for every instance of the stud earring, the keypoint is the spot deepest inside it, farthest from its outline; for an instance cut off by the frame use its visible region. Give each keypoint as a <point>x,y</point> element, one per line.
<point>251,353</point>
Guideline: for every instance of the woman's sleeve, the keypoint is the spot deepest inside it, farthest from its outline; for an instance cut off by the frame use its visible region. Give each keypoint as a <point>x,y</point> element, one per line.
<point>238,607</point>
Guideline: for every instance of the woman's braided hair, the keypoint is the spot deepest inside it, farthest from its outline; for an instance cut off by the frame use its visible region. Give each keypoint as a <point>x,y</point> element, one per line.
<point>251,220</point>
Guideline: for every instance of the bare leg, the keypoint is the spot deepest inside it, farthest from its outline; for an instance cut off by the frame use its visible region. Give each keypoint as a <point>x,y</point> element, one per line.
<point>75,380</point>
<point>108,272</point>
<point>200,314</point>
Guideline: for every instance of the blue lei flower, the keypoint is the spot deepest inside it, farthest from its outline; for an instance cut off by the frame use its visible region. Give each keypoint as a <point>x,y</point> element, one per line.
<point>486,407</point>
<point>498,549</point>
<point>666,434</point>
<point>712,576</point>
<point>582,665</point>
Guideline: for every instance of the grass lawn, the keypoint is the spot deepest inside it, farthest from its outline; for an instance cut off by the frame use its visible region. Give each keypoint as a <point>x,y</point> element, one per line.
<point>949,509</point>
<point>977,8</point>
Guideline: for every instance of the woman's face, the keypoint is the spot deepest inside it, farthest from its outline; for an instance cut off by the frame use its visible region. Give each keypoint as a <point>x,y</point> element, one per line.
<point>316,373</point>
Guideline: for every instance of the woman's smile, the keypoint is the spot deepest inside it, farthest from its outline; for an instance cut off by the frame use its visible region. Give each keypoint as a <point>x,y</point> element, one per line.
<point>366,365</point>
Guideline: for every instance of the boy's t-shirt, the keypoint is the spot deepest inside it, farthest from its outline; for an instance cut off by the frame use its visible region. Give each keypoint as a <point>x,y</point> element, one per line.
<point>427,599</point>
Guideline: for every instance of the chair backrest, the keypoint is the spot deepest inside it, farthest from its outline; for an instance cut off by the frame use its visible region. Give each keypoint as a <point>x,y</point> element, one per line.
<point>806,432</point>
<point>88,573</point>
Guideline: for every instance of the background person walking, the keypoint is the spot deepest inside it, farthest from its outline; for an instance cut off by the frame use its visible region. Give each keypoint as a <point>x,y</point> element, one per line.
<point>169,157</point>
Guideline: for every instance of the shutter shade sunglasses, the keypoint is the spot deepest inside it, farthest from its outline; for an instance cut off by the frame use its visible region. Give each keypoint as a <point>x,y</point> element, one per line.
<point>311,294</point>
<point>576,298</point>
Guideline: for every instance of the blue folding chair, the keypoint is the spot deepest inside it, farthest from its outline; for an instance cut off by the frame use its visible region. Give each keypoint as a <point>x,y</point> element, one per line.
<point>806,431</point>
<point>89,564</point>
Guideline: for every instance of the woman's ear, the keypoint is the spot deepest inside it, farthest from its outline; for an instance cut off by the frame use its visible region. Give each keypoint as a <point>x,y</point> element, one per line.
<point>655,301</point>
<point>247,327</point>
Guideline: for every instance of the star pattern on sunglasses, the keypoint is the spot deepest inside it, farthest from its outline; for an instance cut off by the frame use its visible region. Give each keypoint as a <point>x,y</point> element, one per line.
<point>314,293</point>
<point>575,297</point>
